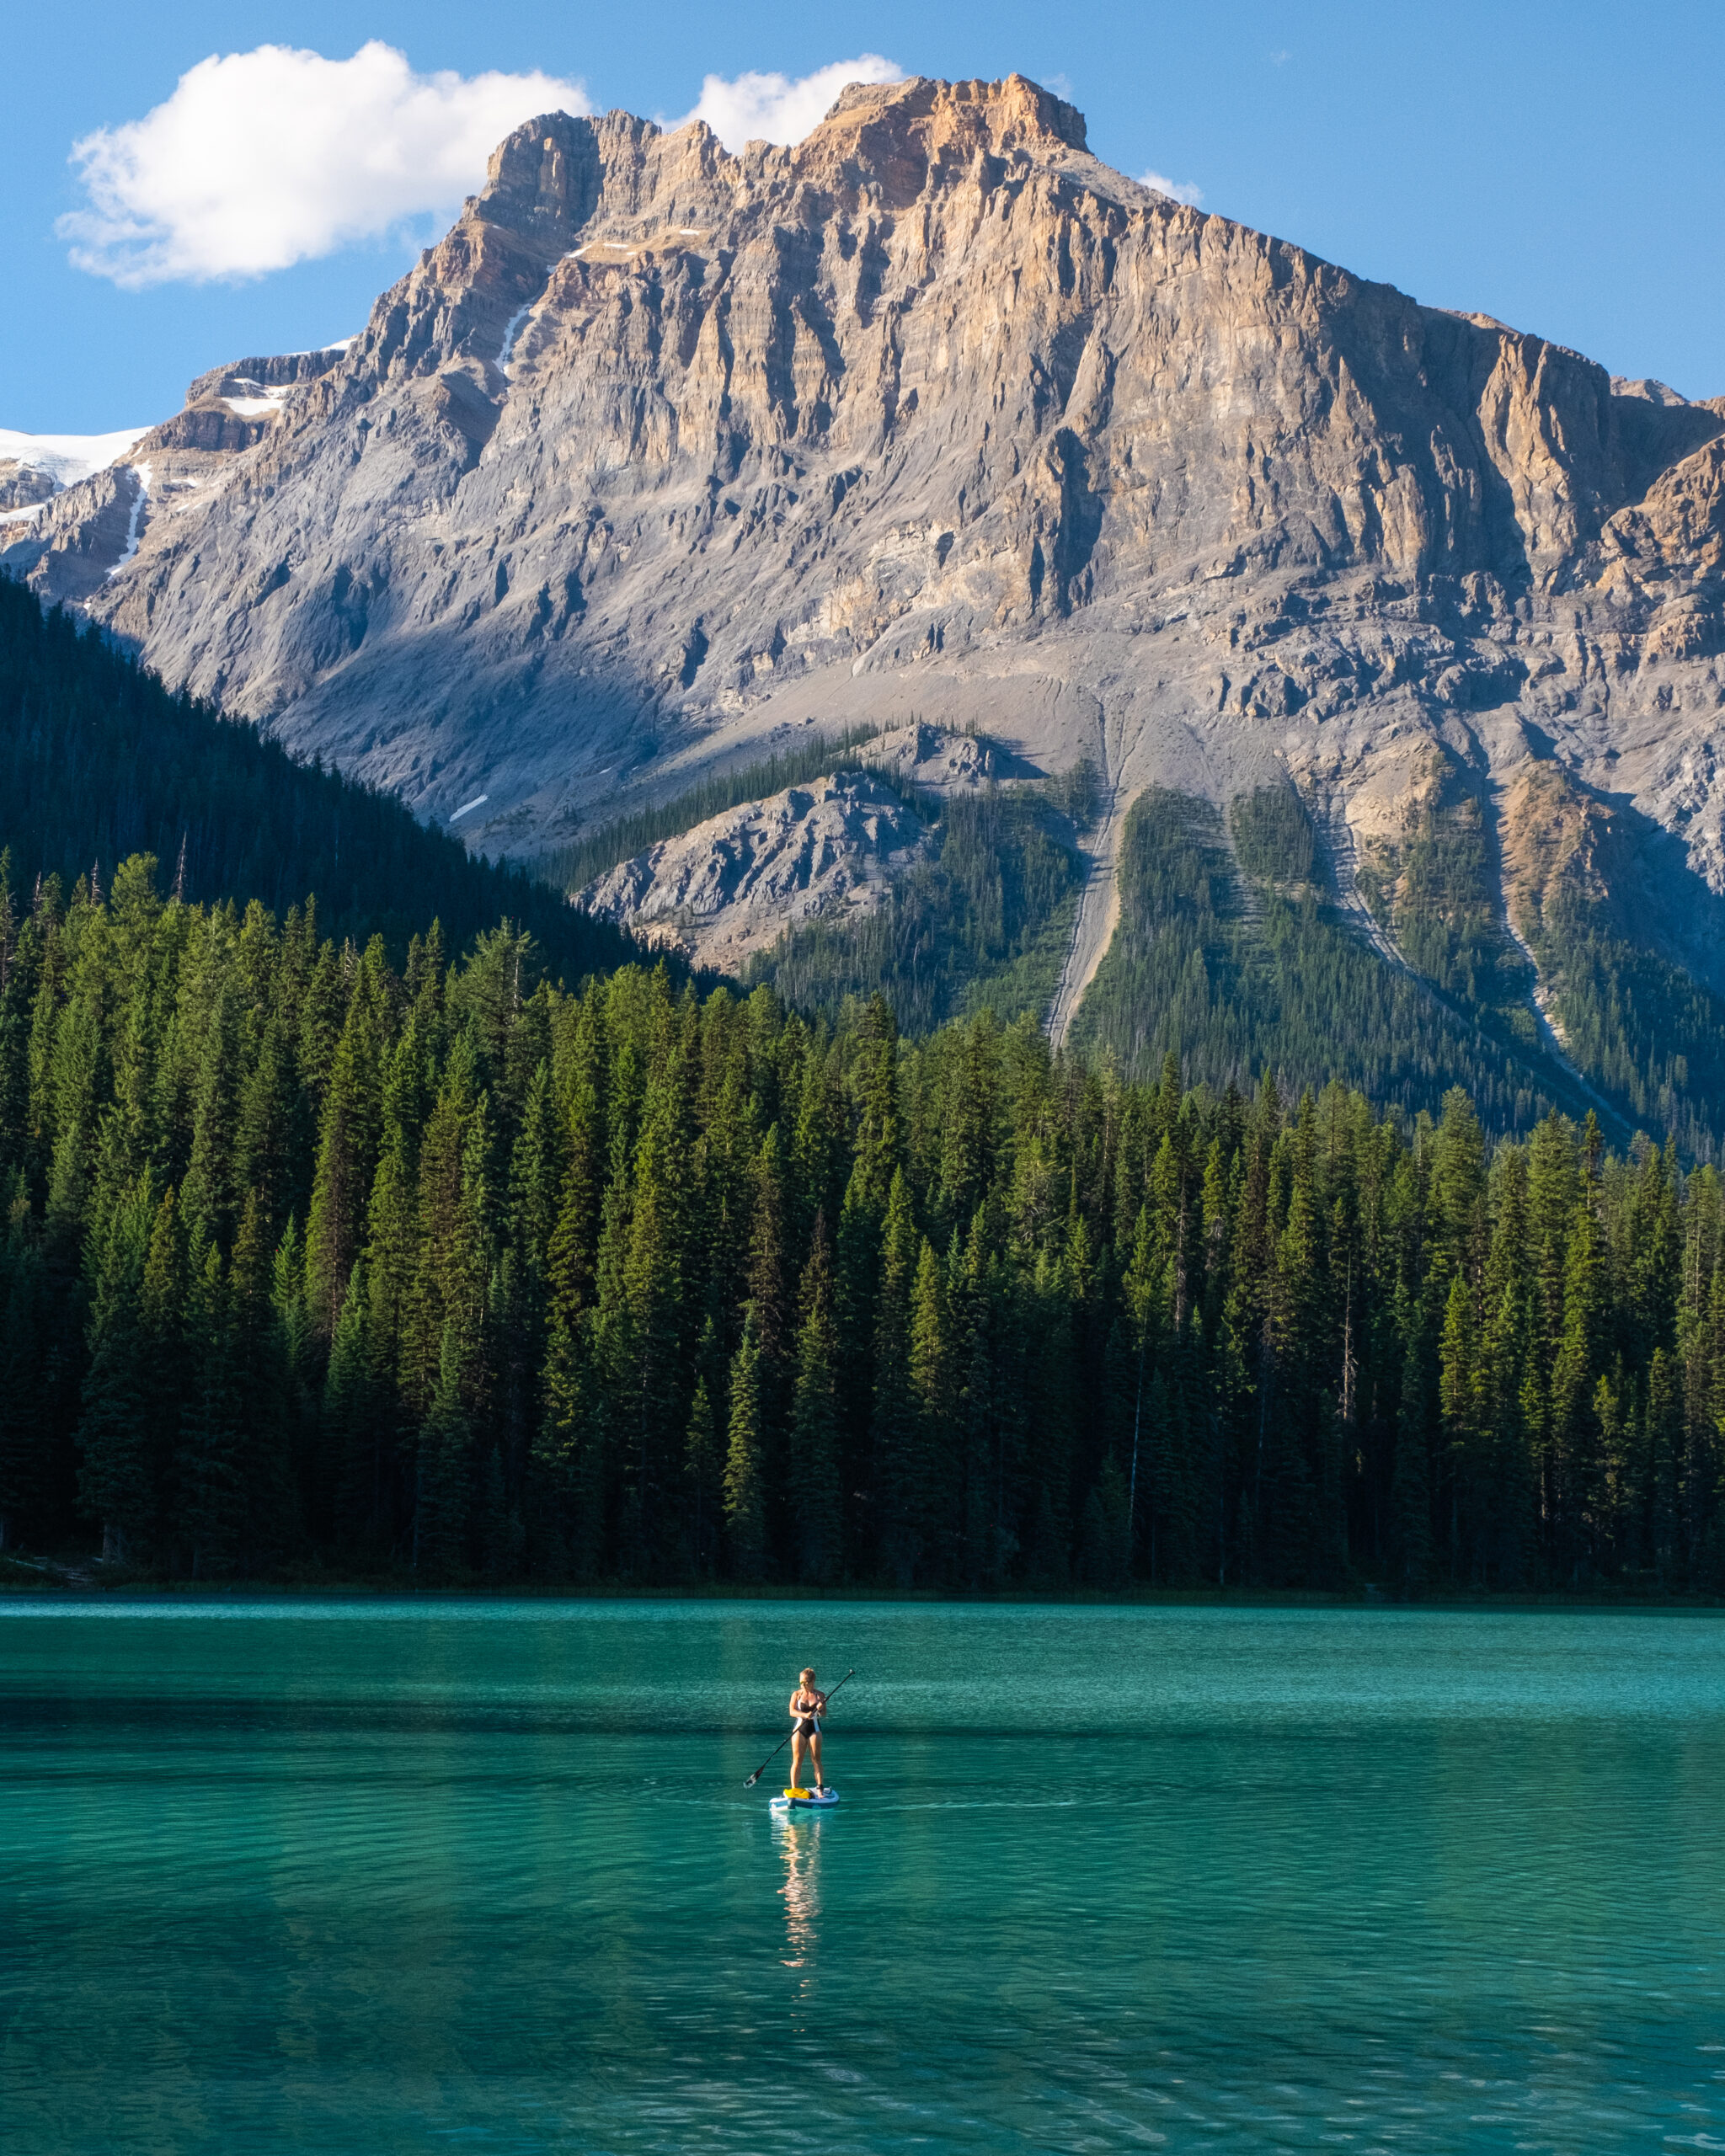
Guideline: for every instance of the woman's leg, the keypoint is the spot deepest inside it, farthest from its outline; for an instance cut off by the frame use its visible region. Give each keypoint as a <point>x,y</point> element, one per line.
<point>797,1741</point>
<point>815,1753</point>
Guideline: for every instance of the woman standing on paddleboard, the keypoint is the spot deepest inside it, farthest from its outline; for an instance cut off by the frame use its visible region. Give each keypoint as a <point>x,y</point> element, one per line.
<point>807,1707</point>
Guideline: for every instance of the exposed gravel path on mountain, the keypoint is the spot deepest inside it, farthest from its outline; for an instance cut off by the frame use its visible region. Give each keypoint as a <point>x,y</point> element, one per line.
<point>1098,913</point>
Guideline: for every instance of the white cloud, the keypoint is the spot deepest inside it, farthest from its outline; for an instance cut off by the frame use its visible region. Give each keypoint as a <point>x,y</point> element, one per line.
<point>776,109</point>
<point>260,159</point>
<point>1175,191</point>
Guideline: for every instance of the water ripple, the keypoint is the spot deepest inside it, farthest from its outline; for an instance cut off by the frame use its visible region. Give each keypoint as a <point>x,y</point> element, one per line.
<point>401,1876</point>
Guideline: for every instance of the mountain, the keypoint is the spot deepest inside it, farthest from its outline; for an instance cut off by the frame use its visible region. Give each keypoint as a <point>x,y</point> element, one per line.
<point>35,467</point>
<point>97,762</point>
<point>662,453</point>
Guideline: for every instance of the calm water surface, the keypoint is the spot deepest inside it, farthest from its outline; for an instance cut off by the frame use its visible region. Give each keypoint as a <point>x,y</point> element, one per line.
<point>380,1876</point>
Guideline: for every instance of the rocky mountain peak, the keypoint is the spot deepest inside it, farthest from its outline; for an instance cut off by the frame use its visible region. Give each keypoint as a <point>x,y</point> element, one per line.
<point>662,450</point>
<point>881,123</point>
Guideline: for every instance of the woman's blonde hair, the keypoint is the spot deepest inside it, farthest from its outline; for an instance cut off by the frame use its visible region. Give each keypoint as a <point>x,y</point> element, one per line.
<point>805,1675</point>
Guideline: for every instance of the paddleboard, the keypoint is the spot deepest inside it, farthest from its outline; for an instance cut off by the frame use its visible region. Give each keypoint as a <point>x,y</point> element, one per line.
<point>805,1799</point>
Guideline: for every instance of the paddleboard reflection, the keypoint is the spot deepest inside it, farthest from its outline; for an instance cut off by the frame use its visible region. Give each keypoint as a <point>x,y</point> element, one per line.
<point>799,1837</point>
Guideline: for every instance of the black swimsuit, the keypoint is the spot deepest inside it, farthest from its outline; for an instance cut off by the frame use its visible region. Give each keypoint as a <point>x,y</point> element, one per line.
<point>809,1725</point>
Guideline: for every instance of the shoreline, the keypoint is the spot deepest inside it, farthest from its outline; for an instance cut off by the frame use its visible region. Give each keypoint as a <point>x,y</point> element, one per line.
<point>24,1579</point>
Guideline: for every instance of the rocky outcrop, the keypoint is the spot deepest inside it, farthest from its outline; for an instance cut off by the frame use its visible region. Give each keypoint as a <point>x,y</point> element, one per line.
<point>732,884</point>
<point>23,486</point>
<point>736,882</point>
<point>258,378</point>
<point>91,529</point>
<point>102,515</point>
<point>661,449</point>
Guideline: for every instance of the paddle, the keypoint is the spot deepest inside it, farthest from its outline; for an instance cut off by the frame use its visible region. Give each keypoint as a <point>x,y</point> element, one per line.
<point>790,1733</point>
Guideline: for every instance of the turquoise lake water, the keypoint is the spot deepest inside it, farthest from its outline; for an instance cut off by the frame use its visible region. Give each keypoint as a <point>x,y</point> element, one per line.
<point>375,1876</point>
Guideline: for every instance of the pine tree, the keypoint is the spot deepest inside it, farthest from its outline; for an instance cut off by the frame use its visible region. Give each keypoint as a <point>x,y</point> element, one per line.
<point>44,960</point>
<point>502,1537</point>
<point>120,1481</point>
<point>352,1421</point>
<point>537,1176</point>
<point>657,1287</point>
<point>1502,1500</point>
<point>1107,1530</point>
<point>1299,1343</point>
<point>1411,1488</point>
<point>391,1257</point>
<point>348,1138</point>
<point>78,1077</point>
<point>704,1466</point>
<point>1459,1390</point>
<point>568,1468</point>
<point>295,1360</point>
<point>1459,1189</point>
<point>933,1390</point>
<point>769,1256</point>
<point>1661,1495</point>
<point>1578,1464</point>
<point>896,1427</point>
<point>1301,1539</point>
<point>211,1464</point>
<point>144,949</point>
<point>265,1144</point>
<point>438,1259</point>
<point>275,1437</point>
<point>445,1477</point>
<point>210,1195</point>
<point>24,1293</point>
<point>814,1489</point>
<point>745,1507</point>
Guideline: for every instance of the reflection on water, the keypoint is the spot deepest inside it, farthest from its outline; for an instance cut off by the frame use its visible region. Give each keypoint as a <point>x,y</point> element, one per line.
<point>798,1839</point>
<point>396,1877</point>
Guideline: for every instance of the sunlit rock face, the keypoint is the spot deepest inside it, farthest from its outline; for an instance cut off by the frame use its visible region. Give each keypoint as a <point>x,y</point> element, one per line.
<point>829,851</point>
<point>736,882</point>
<point>662,451</point>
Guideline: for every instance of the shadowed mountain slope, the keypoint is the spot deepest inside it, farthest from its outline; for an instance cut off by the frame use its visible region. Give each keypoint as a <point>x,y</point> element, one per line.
<point>662,452</point>
<point>99,762</point>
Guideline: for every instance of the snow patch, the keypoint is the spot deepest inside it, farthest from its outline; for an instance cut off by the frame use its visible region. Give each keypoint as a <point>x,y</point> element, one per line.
<point>22,516</point>
<point>267,400</point>
<point>69,458</point>
<point>478,801</point>
<point>511,330</point>
<point>141,473</point>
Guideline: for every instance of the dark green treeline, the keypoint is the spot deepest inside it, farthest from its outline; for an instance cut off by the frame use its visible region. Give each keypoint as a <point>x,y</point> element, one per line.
<point>455,1274</point>
<point>98,760</point>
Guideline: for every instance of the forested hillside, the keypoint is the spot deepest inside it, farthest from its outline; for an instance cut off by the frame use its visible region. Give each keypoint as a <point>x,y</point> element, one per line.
<point>576,863</point>
<point>982,923</point>
<point>451,1274</point>
<point>1232,953</point>
<point>98,761</point>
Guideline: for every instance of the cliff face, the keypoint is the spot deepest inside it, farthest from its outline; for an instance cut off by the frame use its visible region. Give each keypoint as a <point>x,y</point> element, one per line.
<point>661,450</point>
<point>89,532</point>
<point>733,885</point>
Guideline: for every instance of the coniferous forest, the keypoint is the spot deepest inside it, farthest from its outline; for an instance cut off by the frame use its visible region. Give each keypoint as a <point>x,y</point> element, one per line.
<point>450,1274</point>
<point>98,760</point>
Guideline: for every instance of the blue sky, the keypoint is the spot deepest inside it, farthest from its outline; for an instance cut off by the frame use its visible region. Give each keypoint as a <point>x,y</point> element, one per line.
<point>1560,167</point>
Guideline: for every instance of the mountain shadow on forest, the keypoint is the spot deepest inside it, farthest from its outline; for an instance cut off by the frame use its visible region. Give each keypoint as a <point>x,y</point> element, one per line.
<point>98,761</point>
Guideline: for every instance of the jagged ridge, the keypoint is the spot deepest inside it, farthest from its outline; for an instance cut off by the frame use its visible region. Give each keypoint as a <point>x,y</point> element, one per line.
<point>661,450</point>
